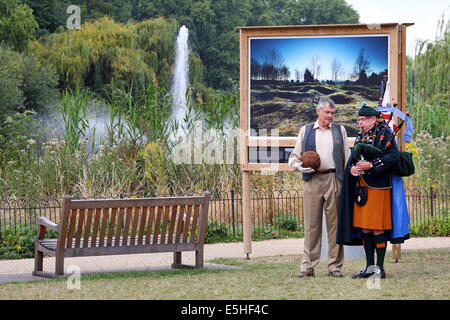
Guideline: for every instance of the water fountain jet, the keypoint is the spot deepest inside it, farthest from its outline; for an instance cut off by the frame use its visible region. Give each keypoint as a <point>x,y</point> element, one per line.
<point>180,80</point>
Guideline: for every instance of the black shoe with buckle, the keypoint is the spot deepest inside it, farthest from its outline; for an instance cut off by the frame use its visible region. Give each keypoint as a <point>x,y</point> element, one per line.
<point>363,274</point>
<point>378,273</point>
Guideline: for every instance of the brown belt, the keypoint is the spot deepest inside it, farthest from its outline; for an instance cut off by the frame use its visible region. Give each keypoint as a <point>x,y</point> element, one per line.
<point>326,171</point>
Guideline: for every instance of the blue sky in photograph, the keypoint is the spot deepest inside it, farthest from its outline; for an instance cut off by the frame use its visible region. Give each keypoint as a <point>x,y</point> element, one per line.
<point>297,53</point>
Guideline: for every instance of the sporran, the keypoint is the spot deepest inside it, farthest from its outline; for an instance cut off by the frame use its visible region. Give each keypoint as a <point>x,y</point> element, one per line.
<point>361,194</point>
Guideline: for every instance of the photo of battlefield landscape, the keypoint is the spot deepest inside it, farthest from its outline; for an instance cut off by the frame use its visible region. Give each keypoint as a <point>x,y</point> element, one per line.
<point>288,75</point>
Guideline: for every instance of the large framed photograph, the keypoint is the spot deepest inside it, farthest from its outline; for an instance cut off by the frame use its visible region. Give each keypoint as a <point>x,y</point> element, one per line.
<point>285,69</point>
<point>288,75</point>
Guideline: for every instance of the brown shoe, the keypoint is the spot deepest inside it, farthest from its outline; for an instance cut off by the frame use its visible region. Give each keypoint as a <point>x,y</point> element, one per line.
<point>303,274</point>
<point>335,274</point>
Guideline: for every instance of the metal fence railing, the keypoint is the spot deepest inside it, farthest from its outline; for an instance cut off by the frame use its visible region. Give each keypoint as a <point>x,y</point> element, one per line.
<point>15,213</point>
<point>425,205</point>
<point>268,208</point>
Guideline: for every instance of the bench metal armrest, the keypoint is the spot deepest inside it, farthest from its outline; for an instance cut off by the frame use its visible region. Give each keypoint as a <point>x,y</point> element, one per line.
<point>43,221</point>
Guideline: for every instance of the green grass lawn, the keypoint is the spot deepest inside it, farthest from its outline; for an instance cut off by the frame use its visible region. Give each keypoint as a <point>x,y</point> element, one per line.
<point>420,274</point>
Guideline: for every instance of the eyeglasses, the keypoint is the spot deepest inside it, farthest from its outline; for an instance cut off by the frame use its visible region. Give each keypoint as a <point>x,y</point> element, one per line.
<point>363,119</point>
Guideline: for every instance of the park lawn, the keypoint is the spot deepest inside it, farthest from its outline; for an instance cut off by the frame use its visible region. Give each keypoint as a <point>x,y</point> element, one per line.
<point>420,274</point>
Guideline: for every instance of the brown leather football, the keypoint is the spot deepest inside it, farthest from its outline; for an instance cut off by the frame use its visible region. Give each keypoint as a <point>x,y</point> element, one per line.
<point>310,159</point>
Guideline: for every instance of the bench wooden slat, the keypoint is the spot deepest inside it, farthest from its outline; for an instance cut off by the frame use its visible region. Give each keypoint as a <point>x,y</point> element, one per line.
<point>172,223</point>
<point>80,226</point>
<point>187,223</point>
<point>180,223</point>
<point>105,219</point>
<point>98,213</point>
<point>157,223</point>
<point>143,222</point>
<point>194,222</point>
<point>165,221</point>
<point>202,229</point>
<point>112,222</point>
<point>73,220</point>
<point>178,247</point>
<point>87,228</point>
<point>119,225</point>
<point>126,230</point>
<point>136,217</point>
<point>51,244</point>
<point>150,225</point>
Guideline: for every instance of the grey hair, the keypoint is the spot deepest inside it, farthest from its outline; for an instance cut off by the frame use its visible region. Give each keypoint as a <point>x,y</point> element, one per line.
<point>324,100</point>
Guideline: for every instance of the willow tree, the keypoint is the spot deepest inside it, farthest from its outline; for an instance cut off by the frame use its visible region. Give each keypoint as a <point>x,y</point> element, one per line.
<point>102,51</point>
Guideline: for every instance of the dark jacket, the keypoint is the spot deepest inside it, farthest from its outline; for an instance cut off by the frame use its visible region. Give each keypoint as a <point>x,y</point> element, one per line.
<point>377,177</point>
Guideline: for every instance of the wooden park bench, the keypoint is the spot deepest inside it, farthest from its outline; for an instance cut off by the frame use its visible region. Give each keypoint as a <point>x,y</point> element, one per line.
<point>102,227</point>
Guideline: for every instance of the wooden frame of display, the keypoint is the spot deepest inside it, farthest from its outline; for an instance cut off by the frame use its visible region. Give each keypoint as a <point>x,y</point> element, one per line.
<point>397,77</point>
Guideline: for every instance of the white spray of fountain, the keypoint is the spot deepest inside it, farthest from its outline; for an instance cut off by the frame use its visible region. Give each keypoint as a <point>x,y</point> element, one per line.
<point>192,138</point>
<point>180,78</point>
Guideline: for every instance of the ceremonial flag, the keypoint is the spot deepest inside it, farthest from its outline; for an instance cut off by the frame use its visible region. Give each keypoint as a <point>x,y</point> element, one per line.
<point>386,102</point>
<point>386,109</point>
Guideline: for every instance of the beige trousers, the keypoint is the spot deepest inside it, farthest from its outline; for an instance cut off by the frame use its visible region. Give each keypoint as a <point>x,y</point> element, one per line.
<point>321,194</point>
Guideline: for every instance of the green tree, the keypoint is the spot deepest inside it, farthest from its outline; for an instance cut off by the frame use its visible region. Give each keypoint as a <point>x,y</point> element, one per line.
<point>133,55</point>
<point>49,14</point>
<point>328,12</point>
<point>17,24</point>
<point>11,95</point>
<point>121,10</point>
<point>25,83</point>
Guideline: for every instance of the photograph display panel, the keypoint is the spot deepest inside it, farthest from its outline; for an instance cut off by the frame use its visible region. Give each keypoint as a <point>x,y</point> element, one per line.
<point>287,76</point>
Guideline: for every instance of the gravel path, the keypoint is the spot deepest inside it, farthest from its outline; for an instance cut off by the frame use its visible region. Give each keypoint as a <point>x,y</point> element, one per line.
<point>20,270</point>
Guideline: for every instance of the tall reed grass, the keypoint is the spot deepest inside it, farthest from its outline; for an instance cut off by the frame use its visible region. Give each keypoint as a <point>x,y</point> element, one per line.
<point>133,157</point>
<point>74,112</point>
<point>428,83</point>
<point>428,101</point>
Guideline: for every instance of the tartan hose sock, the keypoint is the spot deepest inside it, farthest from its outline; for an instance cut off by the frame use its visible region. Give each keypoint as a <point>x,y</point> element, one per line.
<point>369,248</point>
<point>381,244</point>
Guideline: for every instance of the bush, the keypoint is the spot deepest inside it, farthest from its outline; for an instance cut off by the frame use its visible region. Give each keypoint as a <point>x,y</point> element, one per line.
<point>217,233</point>
<point>439,227</point>
<point>264,233</point>
<point>19,244</point>
<point>18,137</point>
<point>288,222</point>
<point>431,157</point>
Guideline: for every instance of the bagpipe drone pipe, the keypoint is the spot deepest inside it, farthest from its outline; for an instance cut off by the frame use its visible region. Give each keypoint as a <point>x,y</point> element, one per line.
<point>372,149</point>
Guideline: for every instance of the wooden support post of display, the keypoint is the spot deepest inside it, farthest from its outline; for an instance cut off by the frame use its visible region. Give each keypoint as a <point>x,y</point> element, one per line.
<point>397,248</point>
<point>396,252</point>
<point>246,213</point>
